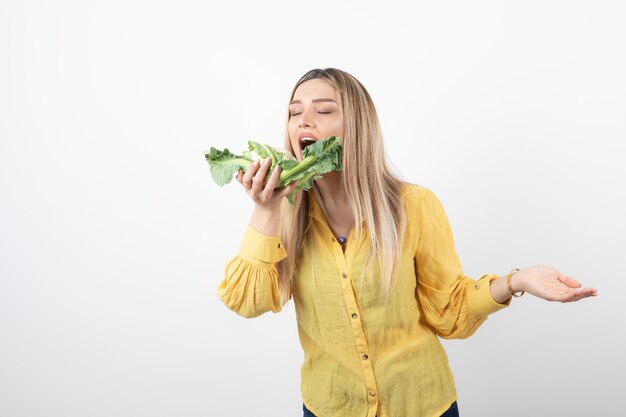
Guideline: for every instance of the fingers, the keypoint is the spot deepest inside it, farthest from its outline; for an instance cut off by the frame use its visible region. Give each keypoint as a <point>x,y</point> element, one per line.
<point>250,178</point>
<point>569,281</point>
<point>240,174</point>
<point>271,182</point>
<point>579,294</point>
<point>586,292</point>
<point>249,175</point>
<point>259,177</point>
<point>577,291</point>
<point>287,190</point>
<point>262,191</point>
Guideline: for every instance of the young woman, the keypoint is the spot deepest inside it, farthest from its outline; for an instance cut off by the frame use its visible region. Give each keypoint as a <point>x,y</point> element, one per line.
<point>371,266</point>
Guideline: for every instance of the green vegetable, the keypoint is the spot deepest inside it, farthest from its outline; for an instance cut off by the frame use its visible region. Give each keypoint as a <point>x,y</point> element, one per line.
<point>317,159</point>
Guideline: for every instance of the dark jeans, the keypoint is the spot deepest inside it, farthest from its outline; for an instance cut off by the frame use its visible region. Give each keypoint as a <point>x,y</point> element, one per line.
<point>453,411</point>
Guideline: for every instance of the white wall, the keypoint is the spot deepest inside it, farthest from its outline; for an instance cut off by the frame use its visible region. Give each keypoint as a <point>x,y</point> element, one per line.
<point>113,236</point>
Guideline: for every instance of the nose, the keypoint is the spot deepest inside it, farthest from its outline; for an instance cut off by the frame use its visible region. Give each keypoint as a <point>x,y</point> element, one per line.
<point>305,123</point>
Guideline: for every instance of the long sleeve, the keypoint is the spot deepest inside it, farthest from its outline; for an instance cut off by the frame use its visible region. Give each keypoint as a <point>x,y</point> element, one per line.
<point>250,287</point>
<point>453,304</point>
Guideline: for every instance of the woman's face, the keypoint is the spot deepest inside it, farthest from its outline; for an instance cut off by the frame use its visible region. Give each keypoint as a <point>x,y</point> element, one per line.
<point>314,114</point>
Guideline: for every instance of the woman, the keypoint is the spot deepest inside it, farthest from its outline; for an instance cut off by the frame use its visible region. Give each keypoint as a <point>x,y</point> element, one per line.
<point>371,265</point>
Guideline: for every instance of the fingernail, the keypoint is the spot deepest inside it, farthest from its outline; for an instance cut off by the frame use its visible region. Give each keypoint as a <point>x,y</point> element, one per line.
<point>267,160</point>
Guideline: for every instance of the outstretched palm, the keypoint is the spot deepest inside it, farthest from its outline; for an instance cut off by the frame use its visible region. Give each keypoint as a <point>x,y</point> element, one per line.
<point>548,283</point>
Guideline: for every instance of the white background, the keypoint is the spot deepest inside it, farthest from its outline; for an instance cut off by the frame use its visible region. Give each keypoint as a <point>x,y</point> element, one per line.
<point>113,236</point>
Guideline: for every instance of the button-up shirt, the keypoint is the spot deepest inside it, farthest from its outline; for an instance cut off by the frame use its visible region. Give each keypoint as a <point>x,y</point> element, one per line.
<point>368,354</point>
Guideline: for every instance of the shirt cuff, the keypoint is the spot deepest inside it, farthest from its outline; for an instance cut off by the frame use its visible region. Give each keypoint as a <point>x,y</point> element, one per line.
<point>479,299</point>
<point>262,248</point>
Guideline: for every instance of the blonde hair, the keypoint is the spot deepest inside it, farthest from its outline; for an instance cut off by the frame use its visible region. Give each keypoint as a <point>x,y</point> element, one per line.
<point>373,190</point>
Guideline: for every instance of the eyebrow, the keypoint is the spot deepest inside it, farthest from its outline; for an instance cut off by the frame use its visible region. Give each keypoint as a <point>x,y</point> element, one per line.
<point>317,100</point>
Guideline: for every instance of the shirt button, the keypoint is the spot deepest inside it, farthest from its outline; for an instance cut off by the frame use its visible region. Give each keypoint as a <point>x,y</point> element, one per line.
<point>372,394</point>
<point>477,286</point>
<point>344,275</point>
<point>279,246</point>
<point>354,315</point>
<point>364,357</point>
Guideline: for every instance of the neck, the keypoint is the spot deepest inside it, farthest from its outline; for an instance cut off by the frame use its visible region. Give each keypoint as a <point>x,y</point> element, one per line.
<point>337,209</point>
<point>331,190</point>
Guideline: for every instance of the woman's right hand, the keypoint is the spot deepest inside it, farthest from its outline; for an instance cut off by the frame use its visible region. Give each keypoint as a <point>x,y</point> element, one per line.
<point>263,194</point>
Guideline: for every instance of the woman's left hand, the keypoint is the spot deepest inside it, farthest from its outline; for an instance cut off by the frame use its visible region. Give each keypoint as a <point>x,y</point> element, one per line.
<point>548,283</point>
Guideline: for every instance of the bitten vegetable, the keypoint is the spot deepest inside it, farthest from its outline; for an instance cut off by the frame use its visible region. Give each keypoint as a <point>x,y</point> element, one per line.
<point>317,159</point>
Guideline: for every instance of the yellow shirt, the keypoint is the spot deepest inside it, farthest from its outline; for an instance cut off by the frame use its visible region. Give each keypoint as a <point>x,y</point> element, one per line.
<point>366,355</point>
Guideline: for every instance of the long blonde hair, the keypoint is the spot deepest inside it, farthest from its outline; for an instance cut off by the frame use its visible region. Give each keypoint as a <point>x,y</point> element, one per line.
<point>373,190</point>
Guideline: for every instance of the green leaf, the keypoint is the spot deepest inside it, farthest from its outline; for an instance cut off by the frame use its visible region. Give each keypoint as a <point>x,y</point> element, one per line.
<point>225,164</point>
<point>317,159</point>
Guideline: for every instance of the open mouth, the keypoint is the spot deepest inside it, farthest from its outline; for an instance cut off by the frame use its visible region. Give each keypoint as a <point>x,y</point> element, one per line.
<point>306,141</point>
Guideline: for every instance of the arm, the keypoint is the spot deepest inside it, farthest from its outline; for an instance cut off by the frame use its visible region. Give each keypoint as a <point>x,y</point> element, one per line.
<point>453,304</point>
<point>251,286</point>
